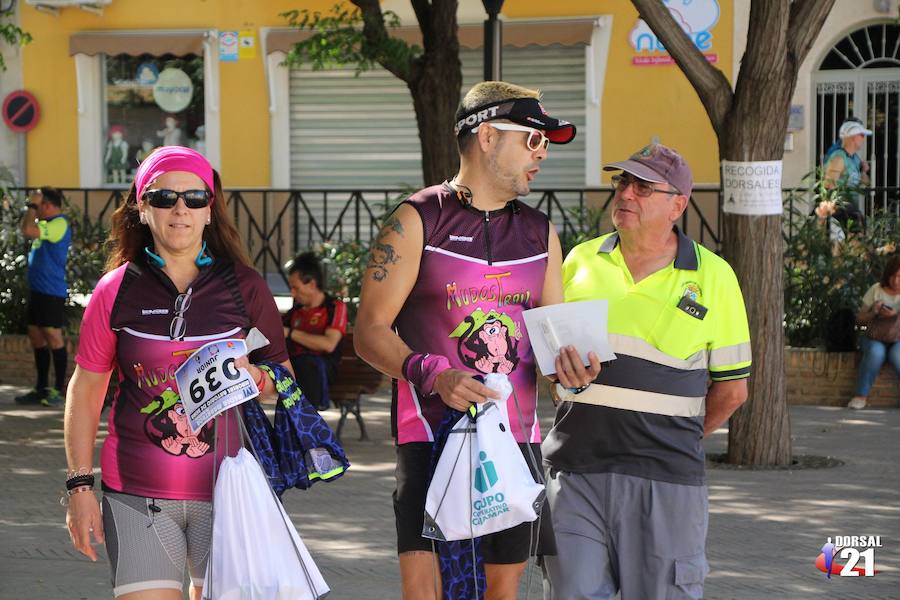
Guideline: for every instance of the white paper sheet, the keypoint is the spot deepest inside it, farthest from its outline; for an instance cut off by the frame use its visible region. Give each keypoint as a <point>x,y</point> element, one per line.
<point>578,324</point>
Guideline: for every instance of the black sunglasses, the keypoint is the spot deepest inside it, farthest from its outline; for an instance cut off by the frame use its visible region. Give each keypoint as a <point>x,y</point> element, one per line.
<point>169,198</point>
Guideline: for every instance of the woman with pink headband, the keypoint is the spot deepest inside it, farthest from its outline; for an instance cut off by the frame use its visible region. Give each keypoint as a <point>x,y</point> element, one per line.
<point>177,278</point>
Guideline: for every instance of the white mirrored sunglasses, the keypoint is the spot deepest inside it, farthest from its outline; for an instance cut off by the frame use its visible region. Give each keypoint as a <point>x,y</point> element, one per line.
<point>535,140</point>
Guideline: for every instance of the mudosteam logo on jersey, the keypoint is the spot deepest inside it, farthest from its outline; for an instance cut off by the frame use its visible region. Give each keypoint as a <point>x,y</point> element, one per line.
<point>848,548</point>
<point>487,507</point>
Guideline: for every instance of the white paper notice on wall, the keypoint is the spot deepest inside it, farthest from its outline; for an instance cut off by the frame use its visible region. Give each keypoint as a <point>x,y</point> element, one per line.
<point>751,188</point>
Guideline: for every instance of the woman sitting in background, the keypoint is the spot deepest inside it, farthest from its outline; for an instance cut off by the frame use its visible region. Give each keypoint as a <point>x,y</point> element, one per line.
<point>880,304</point>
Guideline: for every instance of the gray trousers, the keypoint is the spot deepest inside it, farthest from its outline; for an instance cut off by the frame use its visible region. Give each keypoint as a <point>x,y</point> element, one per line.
<point>618,533</point>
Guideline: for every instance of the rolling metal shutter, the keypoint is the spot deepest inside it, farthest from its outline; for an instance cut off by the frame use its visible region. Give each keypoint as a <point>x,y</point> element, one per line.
<point>360,132</point>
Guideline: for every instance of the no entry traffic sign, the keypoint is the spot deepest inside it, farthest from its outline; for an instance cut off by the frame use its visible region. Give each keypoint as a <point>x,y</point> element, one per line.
<point>21,111</point>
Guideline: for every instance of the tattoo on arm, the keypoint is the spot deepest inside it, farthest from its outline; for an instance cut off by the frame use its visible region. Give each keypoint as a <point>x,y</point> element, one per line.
<point>383,253</point>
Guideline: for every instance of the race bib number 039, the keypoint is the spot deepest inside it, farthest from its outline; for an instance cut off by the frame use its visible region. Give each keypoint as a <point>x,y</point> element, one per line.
<point>209,383</point>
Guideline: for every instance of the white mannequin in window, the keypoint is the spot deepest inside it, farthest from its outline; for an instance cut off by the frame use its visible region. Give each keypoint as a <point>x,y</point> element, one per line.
<point>200,143</point>
<point>116,157</point>
<point>146,148</point>
<point>171,133</point>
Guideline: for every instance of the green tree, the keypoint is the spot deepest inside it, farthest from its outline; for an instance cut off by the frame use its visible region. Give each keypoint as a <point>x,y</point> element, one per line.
<point>11,33</point>
<point>433,73</point>
<point>750,122</point>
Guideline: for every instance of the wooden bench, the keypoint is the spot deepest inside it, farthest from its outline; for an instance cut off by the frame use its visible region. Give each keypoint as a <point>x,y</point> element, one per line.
<point>354,378</point>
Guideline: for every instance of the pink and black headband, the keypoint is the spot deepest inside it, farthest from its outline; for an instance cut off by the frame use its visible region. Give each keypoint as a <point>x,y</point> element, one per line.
<point>172,158</point>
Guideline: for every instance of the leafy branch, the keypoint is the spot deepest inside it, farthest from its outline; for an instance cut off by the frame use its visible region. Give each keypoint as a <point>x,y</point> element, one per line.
<point>341,37</point>
<point>11,33</point>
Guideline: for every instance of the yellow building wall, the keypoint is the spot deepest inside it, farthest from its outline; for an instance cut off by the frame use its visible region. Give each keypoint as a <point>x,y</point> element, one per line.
<point>642,102</point>
<point>639,102</point>
<point>49,73</point>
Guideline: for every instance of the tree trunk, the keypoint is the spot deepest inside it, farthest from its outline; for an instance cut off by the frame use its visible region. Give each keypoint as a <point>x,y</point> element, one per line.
<point>432,87</point>
<point>434,78</point>
<point>750,125</point>
<point>759,432</point>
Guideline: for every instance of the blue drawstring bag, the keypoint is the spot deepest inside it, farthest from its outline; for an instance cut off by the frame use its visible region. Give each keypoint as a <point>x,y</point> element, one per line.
<point>461,564</point>
<point>261,434</point>
<point>301,448</point>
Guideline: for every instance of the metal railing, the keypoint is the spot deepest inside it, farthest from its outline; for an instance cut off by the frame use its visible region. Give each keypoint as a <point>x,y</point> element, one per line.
<point>879,203</point>
<point>277,224</point>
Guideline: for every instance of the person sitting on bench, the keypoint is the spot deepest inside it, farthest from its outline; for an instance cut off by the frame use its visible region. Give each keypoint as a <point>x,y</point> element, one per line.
<point>313,328</point>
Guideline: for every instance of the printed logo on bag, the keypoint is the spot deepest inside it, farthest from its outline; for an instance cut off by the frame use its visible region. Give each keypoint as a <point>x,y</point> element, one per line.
<point>492,505</point>
<point>848,547</point>
<point>486,474</point>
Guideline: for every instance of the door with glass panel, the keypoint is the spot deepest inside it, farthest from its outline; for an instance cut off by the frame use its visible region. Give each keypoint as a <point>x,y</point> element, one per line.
<point>860,77</point>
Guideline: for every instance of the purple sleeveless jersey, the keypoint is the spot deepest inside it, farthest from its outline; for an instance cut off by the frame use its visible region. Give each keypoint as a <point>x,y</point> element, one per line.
<point>479,271</point>
<point>150,450</point>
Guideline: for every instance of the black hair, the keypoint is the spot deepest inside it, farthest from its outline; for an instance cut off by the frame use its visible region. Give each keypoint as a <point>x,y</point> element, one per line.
<point>51,195</point>
<point>465,141</point>
<point>308,266</point>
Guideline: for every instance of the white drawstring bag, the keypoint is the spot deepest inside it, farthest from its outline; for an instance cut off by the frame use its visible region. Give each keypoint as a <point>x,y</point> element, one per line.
<point>256,553</point>
<point>481,484</point>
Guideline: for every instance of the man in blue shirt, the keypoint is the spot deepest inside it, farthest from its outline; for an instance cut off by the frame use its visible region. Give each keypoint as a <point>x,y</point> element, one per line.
<point>51,233</point>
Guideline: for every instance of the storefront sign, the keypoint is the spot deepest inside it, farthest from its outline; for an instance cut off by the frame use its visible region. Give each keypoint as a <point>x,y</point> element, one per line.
<point>795,118</point>
<point>247,44</point>
<point>228,46</point>
<point>696,17</point>
<point>147,73</point>
<point>209,383</point>
<point>752,188</point>
<point>173,90</point>
<point>21,111</point>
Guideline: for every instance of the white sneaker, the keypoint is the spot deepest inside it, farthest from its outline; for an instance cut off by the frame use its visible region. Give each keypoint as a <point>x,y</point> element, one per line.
<point>857,403</point>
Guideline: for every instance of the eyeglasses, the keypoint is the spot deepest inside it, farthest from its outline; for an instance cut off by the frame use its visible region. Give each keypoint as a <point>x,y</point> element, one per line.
<point>641,188</point>
<point>535,140</point>
<point>169,198</point>
<point>178,326</point>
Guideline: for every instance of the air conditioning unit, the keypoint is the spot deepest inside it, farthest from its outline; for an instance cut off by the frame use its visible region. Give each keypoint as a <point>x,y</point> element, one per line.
<point>53,6</point>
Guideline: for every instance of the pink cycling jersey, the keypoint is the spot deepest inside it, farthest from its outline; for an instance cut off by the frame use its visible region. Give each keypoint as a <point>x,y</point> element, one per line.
<point>150,450</point>
<point>479,271</point>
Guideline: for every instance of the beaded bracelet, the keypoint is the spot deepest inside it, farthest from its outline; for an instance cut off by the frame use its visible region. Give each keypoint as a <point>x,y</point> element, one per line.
<point>80,471</point>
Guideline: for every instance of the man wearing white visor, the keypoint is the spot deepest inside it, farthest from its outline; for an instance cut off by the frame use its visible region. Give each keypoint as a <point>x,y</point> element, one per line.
<point>846,170</point>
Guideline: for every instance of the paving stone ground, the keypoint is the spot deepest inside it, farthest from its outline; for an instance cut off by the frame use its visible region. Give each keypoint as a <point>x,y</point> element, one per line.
<point>766,527</point>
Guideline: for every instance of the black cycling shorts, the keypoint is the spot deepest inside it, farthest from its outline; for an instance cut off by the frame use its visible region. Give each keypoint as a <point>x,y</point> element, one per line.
<point>45,310</point>
<point>505,547</point>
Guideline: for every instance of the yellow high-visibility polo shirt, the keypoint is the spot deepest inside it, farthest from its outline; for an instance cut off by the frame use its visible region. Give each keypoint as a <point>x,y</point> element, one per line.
<point>672,332</point>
